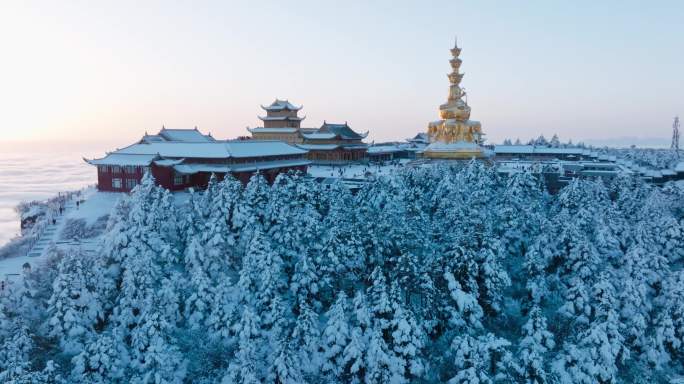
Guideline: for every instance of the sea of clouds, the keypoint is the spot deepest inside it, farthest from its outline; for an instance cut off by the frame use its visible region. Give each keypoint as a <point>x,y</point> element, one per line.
<point>37,171</point>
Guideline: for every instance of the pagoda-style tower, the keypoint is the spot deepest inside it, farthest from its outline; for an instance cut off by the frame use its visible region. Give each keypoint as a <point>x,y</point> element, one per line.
<point>281,114</point>
<point>280,123</point>
<point>455,136</point>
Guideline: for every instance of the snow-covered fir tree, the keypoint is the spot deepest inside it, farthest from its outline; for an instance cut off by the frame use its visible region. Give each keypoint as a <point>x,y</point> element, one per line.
<point>536,342</point>
<point>74,307</point>
<point>335,337</point>
<point>440,273</point>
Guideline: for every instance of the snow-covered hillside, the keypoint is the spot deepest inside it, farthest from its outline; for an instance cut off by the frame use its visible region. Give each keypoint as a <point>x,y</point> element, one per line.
<point>86,207</point>
<point>434,274</point>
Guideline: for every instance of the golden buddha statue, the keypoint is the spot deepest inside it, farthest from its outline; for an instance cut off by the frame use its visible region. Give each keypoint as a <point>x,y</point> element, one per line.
<point>455,136</point>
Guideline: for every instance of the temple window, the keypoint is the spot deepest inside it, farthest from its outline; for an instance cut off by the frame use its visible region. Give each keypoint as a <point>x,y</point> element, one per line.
<point>116,183</point>
<point>131,183</point>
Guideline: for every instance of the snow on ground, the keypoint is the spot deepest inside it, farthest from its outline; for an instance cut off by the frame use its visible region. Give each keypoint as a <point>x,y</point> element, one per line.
<point>95,205</point>
<point>92,205</point>
<point>357,171</point>
<point>180,198</point>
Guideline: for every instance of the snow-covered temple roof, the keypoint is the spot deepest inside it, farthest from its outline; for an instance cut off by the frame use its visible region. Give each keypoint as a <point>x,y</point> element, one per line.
<point>152,138</point>
<point>281,118</point>
<point>319,135</point>
<point>122,159</point>
<point>193,168</point>
<point>378,149</point>
<point>185,135</point>
<point>214,150</point>
<point>168,162</point>
<point>341,130</point>
<point>259,148</point>
<point>320,147</point>
<point>279,105</point>
<point>272,130</point>
<point>178,135</point>
<point>421,137</point>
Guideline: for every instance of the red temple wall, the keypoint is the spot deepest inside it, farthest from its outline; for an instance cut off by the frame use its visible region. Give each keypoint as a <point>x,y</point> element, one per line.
<point>164,177</point>
<point>107,174</point>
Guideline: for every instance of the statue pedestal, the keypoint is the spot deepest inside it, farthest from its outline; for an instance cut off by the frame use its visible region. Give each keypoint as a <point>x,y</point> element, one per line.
<point>460,150</point>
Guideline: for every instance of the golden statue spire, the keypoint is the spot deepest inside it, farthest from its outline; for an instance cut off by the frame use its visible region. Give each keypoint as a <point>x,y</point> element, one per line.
<point>455,135</point>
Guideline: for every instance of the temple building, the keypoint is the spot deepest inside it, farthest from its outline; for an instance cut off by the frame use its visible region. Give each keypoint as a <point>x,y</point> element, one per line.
<point>186,135</point>
<point>280,123</point>
<point>185,158</point>
<point>455,136</point>
<point>421,138</point>
<point>329,144</point>
<point>334,144</point>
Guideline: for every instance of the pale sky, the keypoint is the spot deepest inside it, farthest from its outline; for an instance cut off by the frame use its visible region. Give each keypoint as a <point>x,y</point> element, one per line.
<point>109,71</point>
